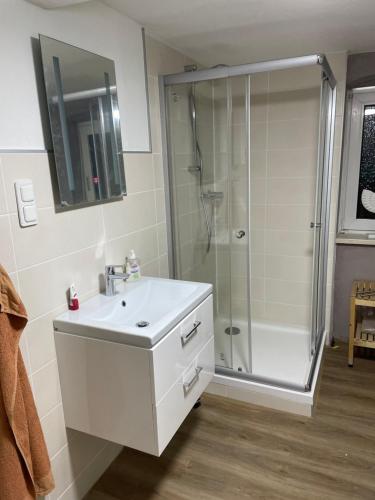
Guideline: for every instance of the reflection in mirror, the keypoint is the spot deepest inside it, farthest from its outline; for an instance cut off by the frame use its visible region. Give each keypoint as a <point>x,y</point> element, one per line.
<point>85,124</point>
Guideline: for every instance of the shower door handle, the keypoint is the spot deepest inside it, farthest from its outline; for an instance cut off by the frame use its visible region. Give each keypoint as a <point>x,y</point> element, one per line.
<point>240,234</point>
<point>315,225</point>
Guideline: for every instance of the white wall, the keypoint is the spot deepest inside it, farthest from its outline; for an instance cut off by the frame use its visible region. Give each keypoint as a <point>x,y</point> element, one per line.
<point>74,247</point>
<point>92,26</point>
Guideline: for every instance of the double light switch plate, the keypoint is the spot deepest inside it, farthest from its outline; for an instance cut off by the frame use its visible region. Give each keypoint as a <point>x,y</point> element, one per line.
<point>26,202</point>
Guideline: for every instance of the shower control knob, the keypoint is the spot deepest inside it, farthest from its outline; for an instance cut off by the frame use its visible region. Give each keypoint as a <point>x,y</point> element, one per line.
<point>240,234</point>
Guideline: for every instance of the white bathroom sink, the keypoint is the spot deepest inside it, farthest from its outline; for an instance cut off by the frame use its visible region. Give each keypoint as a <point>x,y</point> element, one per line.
<point>161,303</point>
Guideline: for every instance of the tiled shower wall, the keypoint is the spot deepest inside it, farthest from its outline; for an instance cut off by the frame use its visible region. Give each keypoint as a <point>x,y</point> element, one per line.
<point>74,246</point>
<point>284,133</point>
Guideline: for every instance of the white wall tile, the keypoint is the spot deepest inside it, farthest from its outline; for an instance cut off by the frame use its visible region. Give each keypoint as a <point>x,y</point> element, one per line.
<point>296,79</point>
<point>30,166</point>
<point>53,425</point>
<point>144,243</point>
<point>289,216</point>
<point>257,265</point>
<point>57,234</point>
<point>162,238</point>
<point>258,135</point>
<point>291,191</point>
<point>293,134</point>
<point>136,211</point>
<point>291,243</point>
<point>288,314</point>
<point>160,205</point>
<point>292,163</point>
<point>257,310</point>
<point>40,340</point>
<point>82,448</point>
<point>282,267</point>
<point>62,472</point>
<point>151,268</point>
<point>46,385</point>
<point>44,287</point>
<point>258,163</point>
<point>164,267</point>
<point>89,475</point>
<point>7,258</point>
<point>258,191</point>
<point>295,104</point>
<point>288,292</point>
<point>157,161</point>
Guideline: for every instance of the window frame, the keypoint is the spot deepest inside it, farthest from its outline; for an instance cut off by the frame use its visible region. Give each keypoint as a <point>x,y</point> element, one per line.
<point>357,99</point>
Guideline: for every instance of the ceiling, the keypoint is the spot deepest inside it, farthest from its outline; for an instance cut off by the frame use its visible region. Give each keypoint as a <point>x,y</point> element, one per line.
<point>240,31</point>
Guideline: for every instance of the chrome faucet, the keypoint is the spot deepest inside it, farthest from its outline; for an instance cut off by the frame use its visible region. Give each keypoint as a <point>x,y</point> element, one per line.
<point>110,277</point>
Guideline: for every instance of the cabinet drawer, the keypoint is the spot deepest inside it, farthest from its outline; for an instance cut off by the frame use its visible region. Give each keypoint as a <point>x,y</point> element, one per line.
<point>180,399</point>
<point>174,353</point>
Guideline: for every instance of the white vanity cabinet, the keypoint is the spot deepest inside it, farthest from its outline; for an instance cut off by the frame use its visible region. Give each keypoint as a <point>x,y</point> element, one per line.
<point>132,395</point>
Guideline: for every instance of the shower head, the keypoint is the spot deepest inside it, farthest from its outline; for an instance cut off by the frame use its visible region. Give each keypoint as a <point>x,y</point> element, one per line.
<point>192,107</point>
<point>197,167</point>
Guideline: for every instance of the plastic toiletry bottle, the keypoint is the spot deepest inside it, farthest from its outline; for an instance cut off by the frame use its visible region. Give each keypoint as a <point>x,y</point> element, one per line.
<point>73,298</point>
<point>132,267</point>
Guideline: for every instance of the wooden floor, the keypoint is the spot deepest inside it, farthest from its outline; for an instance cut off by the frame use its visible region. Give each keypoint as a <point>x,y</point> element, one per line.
<point>232,450</point>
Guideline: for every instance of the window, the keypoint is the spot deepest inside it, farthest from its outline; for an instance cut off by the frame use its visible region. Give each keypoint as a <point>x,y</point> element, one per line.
<point>357,211</point>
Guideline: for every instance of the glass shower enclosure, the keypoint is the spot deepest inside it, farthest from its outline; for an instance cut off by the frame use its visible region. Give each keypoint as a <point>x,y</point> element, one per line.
<point>249,178</point>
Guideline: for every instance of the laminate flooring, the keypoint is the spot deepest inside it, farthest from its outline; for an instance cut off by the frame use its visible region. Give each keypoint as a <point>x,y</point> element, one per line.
<point>228,450</point>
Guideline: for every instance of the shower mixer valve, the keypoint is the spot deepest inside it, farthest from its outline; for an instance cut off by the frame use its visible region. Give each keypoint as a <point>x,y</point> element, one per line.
<point>240,234</point>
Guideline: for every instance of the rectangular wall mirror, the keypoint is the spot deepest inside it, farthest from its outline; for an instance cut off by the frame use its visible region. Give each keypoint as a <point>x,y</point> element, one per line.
<point>85,124</point>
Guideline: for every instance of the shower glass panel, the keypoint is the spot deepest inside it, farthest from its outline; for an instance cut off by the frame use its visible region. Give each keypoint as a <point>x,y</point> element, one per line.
<point>284,124</point>
<point>207,137</point>
<point>320,225</point>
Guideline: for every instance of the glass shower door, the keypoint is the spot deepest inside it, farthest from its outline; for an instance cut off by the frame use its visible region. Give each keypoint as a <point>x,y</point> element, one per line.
<point>239,221</point>
<point>198,199</point>
<point>221,169</point>
<point>208,168</point>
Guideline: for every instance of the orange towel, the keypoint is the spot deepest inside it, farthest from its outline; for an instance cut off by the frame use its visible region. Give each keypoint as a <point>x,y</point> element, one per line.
<point>25,469</point>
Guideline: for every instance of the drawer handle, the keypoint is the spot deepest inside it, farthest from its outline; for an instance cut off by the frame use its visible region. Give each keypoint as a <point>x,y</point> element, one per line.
<point>189,385</point>
<point>188,336</point>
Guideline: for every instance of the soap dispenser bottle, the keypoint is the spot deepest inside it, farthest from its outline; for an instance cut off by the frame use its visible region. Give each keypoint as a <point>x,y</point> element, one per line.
<point>132,267</point>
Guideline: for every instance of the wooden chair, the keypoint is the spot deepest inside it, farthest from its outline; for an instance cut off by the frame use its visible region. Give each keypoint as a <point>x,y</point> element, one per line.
<point>363,294</point>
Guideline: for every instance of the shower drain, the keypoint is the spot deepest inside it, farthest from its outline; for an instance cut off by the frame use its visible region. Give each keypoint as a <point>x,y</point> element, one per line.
<point>232,331</point>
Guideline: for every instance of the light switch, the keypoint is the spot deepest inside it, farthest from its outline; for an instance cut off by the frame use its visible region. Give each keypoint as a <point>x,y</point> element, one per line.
<point>29,213</point>
<point>25,197</point>
<point>27,193</point>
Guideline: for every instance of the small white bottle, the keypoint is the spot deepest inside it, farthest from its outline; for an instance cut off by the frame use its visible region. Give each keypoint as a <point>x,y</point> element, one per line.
<point>132,267</point>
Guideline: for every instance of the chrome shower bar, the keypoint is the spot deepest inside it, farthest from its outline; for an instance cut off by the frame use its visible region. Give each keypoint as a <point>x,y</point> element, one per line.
<point>248,69</point>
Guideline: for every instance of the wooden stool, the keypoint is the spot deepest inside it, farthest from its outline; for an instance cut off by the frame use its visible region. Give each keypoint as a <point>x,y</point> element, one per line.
<point>363,294</point>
